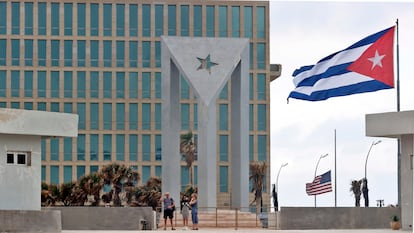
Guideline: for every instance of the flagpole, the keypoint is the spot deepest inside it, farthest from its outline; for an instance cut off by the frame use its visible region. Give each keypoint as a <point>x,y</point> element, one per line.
<point>398,109</point>
<point>335,162</point>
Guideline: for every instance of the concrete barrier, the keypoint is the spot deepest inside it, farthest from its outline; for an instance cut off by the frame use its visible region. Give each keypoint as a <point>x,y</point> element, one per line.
<point>333,218</point>
<point>106,218</point>
<point>30,221</point>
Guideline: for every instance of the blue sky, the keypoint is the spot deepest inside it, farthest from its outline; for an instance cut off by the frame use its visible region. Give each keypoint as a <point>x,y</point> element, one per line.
<point>301,33</point>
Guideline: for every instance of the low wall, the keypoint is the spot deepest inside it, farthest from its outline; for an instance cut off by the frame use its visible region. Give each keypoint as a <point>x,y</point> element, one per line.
<point>106,218</point>
<point>334,217</point>
<point>30,221</point>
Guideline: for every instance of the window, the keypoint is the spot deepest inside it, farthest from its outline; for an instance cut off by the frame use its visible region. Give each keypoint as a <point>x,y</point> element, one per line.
<point>251,116</point>
<point>107,53</point>
<point>120,85</point>
<point>94,19</point>
<point>146,85</point>
<point>94,84</point>
<point>41,18</point>
<point>260,22</point>
<point>158,146</point>
<point>223,117</point>
<point>261,86</point>
<point>120,53</point>
<point>158,116</point>
<point>158,85</point>
<point>107,85</point>
<point>261,117</point>
<point>224,148</point>
<point>3,52</point>
<point>3,83</point>
<point>81,147</point>
<point>81,111</point>
<point>54,174</point>
<point>224,179</point>
<point>120,147</point>
<point>133,85</point>
<point>248,22</point>
<point>120,115</point>
<point>210,24</point>
<point>15,50</point>
<point>107,19</point>
<point>223,21</point>
<point>235,21</point>
<point>133,54</point>
<point>81,53</point>
<point>146,116</point>
<point>15,83</point>
<point>19,157</point>
<point>146,174</point>
<point>195,116</point>
<point>3,18</point>
<point>107,147</point>
<point>28,52</point>
<point>146,55</point>
<point>94,116</point>
<point>133,116</point>
<point>120,19</point>
<point>54,86</point>
<point>55,19</point>
<point>185,116</point>
<point>67,174</point>
<point>15,19</point>
<point>185,23</point>
<point>41,52</point>
<point>94,147</point>
<point>133,148</point>
<point>81,84</point>
<point>159,20</point>
<point>184,88</point>
<point>68,46</point>
<point>67,19</point>
<point>133,20</point>
<point>94,53</point>
<point>54,149</point>
<point>261,148</point>
<point>146,20</point>
<point>80,171</point>
<point>157,54</point>
<point>251,147</point>
<point>261,56</point>
<point>81,19</point>
<point>198,21</point>
<point>67,84</point>
<point>146,147</point>
<point>224,92</point>
<point>28,18</point>
<point>55,52</point>
<point>41,84</point>
<point>28,84</point>
<point>107,116</point>
<point>67,149</point>
<point>172,20</point>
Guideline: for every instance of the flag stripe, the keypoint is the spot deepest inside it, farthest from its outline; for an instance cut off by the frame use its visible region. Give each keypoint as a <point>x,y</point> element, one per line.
<point>321,184</point>
<point>333,74</point>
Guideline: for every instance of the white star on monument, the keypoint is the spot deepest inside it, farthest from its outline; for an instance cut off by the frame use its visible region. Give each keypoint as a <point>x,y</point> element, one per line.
<point>376,60</point>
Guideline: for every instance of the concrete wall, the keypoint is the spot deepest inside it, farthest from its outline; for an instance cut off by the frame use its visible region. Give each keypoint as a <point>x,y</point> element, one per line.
<point>30,221</point>
<point>334,218</point>
<point>20,183</point>
<point>103,218</point>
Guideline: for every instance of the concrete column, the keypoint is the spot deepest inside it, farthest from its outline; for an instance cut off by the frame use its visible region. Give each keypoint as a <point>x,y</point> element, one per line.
<point>170,130</point>
<point>240,138</point>
<point>406,177</point>
<point>207,156</point>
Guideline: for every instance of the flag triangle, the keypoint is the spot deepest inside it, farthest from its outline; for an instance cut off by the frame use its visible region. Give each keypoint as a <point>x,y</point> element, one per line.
<point>377,61</point>
<point>205,63</point>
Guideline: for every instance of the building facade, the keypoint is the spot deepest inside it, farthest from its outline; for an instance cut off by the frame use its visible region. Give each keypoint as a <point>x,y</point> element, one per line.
<point>102,61</point>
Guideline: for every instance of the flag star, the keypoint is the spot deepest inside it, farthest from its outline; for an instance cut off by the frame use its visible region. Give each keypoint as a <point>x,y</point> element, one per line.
<point>376,60</point>
<point>206,63</point>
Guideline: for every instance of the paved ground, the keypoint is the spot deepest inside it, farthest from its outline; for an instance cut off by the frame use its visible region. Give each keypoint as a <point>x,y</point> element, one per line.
<point>209,230</point>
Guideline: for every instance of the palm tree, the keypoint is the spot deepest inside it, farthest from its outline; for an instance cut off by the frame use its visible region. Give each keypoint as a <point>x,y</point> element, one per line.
<point>150,193</point>
<point>257,176</point>
<point>188,148</point>
<point>356,189</point>
<point>117,175</point>
<point>92,185</point>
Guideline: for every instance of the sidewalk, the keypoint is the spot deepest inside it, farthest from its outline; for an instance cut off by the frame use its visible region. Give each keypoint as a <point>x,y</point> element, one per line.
<point>256,230</point>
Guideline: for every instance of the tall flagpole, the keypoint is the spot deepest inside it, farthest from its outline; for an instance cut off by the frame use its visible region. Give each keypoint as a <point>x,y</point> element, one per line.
<point>398,109</point>
<point>335,162</point>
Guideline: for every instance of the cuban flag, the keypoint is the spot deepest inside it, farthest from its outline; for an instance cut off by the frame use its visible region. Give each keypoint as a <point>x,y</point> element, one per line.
<point>365,66</point>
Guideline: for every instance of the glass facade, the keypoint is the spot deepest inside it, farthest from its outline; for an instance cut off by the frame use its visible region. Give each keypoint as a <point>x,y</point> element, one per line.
<point>102,61</point>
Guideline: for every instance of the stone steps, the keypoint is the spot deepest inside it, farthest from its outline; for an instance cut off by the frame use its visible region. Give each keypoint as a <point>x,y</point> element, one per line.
<point>221,218</point>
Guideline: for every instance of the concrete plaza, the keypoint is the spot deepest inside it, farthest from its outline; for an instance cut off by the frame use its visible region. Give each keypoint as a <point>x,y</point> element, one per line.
<point>256,230</point>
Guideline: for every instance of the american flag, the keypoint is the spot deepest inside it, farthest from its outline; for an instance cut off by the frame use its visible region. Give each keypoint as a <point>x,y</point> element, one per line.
<point>321,184</point>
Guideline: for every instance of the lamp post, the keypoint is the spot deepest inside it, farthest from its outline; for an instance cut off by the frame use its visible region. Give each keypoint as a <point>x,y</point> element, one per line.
<point>317,164</point>
<point>275,201</point>
<point>365,181</point>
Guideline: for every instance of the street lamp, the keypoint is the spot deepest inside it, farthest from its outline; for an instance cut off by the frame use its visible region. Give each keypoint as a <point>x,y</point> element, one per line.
<point>275,201</point>
<point>317,164</point>
<point>365,181</point>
